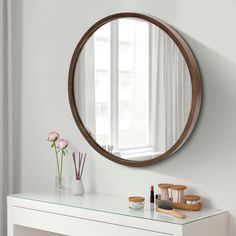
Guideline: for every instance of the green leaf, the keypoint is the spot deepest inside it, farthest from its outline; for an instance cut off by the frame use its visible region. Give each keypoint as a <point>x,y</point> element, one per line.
<point>53,144</point>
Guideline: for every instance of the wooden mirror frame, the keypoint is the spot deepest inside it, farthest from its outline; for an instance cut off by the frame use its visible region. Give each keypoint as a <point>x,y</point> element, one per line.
<point>195,80</point>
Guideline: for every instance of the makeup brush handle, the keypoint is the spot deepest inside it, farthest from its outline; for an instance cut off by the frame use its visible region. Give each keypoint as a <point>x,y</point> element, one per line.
<point>177,214</point>
<point>171,212</point>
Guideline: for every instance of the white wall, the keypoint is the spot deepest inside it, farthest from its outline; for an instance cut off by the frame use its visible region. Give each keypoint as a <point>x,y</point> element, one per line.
<point>46,33</point>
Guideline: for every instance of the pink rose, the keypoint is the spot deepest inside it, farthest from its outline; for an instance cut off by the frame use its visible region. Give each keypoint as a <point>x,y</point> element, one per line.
<point>62,143</point>
<point>53,136</point>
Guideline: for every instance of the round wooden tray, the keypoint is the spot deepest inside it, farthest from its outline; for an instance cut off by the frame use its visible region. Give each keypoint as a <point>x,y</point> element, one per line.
<point>186,207</point>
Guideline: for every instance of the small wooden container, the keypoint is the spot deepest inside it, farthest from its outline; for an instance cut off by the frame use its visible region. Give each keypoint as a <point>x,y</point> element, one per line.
<point>191,199</point>
<point>178,193</point>
<point>194,203</point>
<point>186,207</point>
<point>164,191</point>
<point>136,202</point>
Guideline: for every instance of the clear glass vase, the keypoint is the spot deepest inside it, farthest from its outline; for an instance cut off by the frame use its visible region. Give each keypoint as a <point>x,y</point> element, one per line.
<point>60,183</point>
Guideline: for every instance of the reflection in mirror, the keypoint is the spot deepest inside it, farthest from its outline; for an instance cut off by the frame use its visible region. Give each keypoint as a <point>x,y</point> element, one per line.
<point>133,90</point>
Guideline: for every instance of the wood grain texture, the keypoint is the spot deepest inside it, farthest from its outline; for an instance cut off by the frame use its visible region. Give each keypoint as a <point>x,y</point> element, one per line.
<point>186,207</point>
<point>172,212</point>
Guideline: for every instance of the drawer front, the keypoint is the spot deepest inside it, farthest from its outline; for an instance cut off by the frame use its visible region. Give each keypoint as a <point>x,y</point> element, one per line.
<point>74,226</point>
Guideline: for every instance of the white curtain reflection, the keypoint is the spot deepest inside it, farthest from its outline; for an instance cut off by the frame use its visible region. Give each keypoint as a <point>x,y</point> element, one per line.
<point>170,91</point>
<point>85,96</point>
<point>104,82</point>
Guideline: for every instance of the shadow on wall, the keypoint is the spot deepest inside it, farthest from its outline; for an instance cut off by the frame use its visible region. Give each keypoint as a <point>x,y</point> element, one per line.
<point>208,157</point>
<point>17,93</point>
<point>213,136</point>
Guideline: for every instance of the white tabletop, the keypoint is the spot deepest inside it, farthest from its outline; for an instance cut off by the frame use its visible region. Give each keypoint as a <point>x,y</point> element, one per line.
<point>114,205</point>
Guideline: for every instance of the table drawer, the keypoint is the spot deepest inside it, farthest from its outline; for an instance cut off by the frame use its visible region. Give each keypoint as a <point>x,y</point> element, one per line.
<point>73,226</point>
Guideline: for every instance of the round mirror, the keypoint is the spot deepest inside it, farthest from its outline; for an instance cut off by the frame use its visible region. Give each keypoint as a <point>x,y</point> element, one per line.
<point>134,89</point>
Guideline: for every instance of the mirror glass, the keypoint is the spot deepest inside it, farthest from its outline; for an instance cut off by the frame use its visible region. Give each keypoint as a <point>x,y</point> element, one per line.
<point>132,89</point>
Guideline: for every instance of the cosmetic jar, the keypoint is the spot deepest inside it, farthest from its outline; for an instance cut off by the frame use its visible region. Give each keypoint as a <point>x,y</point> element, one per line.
<point>136,202</point>
<point>178,193</point>
<point>191,199</point>
<point>164,191</point>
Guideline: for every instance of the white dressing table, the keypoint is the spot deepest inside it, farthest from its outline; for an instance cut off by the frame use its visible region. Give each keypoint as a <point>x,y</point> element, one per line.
<point>50,213</point>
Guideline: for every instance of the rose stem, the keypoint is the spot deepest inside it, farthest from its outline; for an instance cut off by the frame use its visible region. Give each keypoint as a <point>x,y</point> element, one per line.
<point>61,164</point>
<point>55,148</point>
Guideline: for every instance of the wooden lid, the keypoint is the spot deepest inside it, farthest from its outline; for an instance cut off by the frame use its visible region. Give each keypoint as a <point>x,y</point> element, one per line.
<point>136,199</point>
<point>191,197</point>
<point>178,187</point>
<point>164,185</point>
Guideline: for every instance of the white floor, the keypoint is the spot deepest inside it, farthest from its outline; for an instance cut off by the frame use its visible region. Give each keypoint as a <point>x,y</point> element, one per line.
<point>24,231</point>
